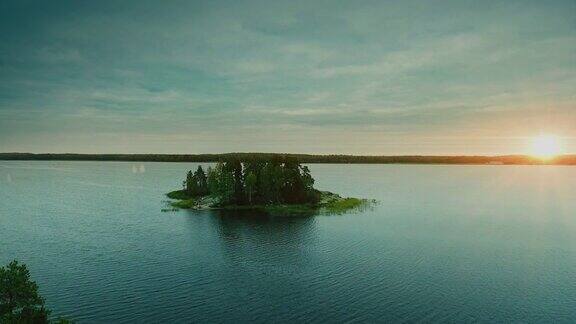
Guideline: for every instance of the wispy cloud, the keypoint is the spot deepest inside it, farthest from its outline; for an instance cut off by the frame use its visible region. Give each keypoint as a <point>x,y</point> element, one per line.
<point>157,75</point>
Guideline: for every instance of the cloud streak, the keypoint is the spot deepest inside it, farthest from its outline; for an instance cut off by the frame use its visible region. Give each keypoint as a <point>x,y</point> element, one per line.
<point>216,70</point>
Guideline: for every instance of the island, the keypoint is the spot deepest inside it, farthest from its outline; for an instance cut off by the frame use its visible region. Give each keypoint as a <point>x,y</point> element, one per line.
<point>279,185</point>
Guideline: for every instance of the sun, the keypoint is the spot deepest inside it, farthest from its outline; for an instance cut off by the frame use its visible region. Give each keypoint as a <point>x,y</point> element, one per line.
<point>546,146</point>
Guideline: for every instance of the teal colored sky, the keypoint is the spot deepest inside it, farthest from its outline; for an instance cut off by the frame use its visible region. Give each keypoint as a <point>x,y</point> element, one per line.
<point>358,77</point>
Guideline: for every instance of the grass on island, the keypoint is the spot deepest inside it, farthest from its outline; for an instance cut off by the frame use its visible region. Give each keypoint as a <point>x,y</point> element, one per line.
<point>184,201</point>
<point>178,194</point>
<point>283,210</point>
<point>184,204</point>
<point>329,204</point>
<point>345,204</point>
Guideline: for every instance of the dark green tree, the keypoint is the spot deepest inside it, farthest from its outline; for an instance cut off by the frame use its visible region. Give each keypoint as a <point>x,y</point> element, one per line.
<point>19,298</point>
<point>234,166</point>
<point>212,180</point>
<point>308,182</point>
<point>292,189</point>
<point>201,182</point>
<point>251,182</point>
<point>191,185</point>
<point>270,179</point>
<point>279,180</point>
<point>221,183</point>
<point>253,185</point>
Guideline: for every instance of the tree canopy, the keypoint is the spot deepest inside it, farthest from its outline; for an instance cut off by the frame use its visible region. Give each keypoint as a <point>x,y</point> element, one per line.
<point>280,180</point>
<point>196,183</point>
<point>19,298</point>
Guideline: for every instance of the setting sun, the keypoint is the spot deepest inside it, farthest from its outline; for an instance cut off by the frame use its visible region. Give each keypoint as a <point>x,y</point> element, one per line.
<point>546,146</point>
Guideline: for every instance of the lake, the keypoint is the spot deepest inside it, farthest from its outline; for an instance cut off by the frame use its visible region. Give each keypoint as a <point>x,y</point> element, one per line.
<point>443,244</point>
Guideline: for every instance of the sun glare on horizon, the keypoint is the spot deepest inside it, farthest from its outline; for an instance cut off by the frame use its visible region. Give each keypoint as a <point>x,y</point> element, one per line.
<point>546,146</point>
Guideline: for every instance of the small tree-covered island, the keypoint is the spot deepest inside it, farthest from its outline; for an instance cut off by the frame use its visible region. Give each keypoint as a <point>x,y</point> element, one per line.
<point>280,185</point>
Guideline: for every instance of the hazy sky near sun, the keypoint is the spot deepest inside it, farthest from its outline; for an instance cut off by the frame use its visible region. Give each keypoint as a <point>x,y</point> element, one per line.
<point>359,77</point>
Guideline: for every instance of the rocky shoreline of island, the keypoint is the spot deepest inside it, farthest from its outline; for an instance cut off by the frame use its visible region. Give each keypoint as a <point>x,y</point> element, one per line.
<point>329,203</point>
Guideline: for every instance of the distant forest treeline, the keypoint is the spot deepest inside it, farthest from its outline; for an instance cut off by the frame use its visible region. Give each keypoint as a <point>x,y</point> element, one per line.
<point>303,158</point>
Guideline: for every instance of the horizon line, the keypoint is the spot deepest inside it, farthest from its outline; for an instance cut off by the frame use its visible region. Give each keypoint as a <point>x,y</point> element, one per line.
<point>513,159</point>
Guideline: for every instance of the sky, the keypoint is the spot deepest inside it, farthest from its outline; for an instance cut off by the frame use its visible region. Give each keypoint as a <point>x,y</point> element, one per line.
<point>342,77</point>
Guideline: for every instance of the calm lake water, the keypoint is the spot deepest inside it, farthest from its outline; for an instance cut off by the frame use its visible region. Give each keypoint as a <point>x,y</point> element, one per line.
<point>445,243</point>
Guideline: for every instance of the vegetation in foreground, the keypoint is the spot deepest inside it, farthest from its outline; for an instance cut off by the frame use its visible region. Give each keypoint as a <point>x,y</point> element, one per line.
<point>279,186</point>
<point>19,298</point>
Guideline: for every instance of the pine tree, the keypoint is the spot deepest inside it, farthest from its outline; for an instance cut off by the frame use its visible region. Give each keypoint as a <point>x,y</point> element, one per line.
<point>191,187</point>
<point>201,182</point>
<point>19,298</point>
<point>280,180</point>
<point>251,182</point>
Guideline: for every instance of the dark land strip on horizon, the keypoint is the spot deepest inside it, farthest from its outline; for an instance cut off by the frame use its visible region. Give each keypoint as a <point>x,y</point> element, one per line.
<point>303,158</point>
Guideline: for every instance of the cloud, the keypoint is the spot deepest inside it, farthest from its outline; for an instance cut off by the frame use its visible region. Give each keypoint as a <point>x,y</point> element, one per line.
<point>213,70</point>
<point>439,51</point>
<point>55,55</point>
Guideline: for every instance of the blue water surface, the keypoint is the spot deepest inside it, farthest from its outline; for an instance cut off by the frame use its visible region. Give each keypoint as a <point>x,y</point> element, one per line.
<point>444,244</point>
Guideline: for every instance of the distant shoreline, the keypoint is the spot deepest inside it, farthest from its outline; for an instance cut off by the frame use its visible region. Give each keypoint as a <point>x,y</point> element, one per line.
<point>304,158</point>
